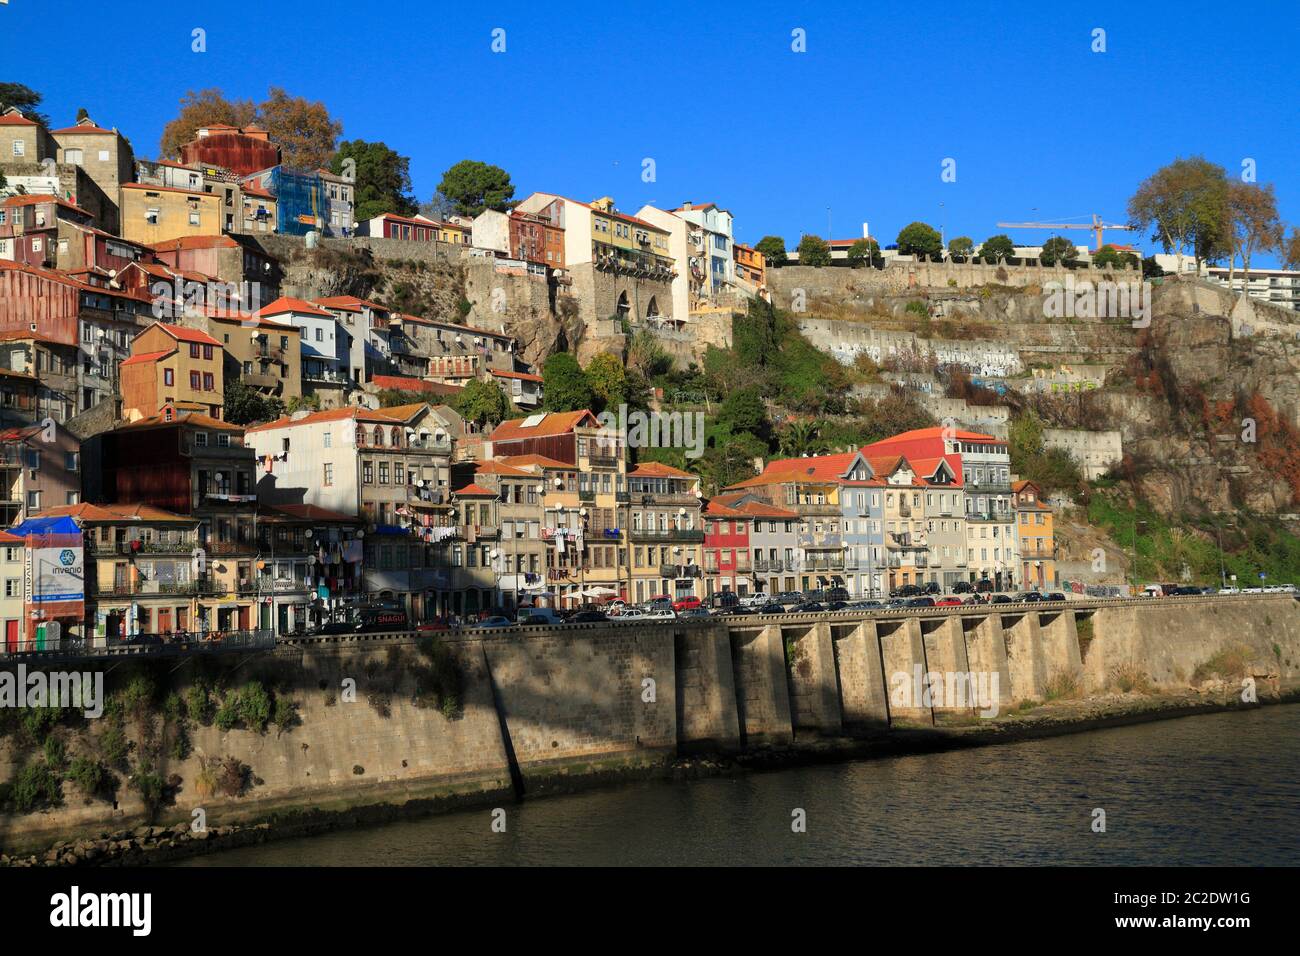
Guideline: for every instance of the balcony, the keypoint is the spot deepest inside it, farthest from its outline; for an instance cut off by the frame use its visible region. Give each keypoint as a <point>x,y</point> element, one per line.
<point>140,547</point>
<point>823,563</point>
<point>160,588</point>
<point>224,548</point>
<point>622,497</point>
<point>998,517</point>
<point>988,488</point>
<point>769,567</point>
<point>672,534</point>
<point>602,461</point>
<point>821,540</point>
<point>908,560</point>
<point>1038,554</point>
<point>813,509</point>
<point>587,494</point>
<point>261,380</point>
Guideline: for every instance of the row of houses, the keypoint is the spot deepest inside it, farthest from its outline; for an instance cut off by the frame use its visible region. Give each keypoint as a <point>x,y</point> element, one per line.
<point>191,524</point>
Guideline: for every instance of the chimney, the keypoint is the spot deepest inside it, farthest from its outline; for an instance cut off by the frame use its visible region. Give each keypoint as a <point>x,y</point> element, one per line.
<point>866,233</point>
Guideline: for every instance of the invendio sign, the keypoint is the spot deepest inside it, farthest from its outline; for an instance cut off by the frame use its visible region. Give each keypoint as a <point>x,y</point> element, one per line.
<point>55,574</point>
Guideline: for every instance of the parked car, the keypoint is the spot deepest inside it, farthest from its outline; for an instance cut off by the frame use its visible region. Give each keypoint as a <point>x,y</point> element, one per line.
<point>1054,596</point>
<point>948,602</point>
<point>921,602</point>
<point>588,617</point>
<point>836,594</point>
<point>755,600</point>
<point>808,607</point>
<point>661,613</point>
<point>1184,591</point>
<point>962,587</point>
<point>838,606</point>
<point>660,603</point>
<point>906,591</point>
<point>788,598</point>
<point>538,615</point>
<point>932,588</point>
<point>1027,597</point>
<point>866,606</point>
<point>694,613</point>
<point>433,624</point>
<point>741,609</point>
<point>495,621</point>
<point>984,586</point>
<point>721,600</point>
<point>686,603</point>
<point>1233,590</point>
<point>772,608</point>
<point>999,599</point>
<point>629,615</point>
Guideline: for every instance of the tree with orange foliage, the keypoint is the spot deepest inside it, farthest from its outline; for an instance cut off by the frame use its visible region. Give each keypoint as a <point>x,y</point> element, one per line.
<point>305,132</point>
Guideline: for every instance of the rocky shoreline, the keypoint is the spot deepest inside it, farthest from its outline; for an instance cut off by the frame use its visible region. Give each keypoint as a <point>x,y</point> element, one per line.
<point>155,845</point>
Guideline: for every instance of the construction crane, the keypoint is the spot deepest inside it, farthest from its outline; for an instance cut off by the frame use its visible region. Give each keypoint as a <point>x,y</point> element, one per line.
<point>1096,226</point>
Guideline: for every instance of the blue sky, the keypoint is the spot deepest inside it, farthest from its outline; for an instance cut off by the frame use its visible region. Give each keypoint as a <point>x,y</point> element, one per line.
<point>1040,126</point>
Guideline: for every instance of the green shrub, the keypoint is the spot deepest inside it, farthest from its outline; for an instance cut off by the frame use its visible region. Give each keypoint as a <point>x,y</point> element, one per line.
<point>1229,663</point>
<point>254,705</point>
<point>36,786</point>
<point>197,704</point>
<point>39,721</point>
<point>90,776</point>
<point>286,712</point>
<point>113,745</point>
<point>228,713</point>
<point>56,754</point>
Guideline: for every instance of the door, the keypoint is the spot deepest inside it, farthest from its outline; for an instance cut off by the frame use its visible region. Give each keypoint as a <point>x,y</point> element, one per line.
<point>11,636</point>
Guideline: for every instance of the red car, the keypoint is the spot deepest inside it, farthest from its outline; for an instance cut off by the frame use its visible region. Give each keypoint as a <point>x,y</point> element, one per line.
<point>686,604</point>
<point>948,602</point>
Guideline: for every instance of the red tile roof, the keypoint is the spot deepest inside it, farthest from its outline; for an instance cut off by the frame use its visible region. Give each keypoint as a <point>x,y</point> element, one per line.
<point>541,461</point>
<point>146,357</point>
<point>405,383</point>
<point>657,469</point>
<point>169,189</point>
<point>194,242</point>
<point>474,491</point>
<point>313,513</point>
<point>184,334</point>
<point>86,128</point>
<point>116,512</point>
<point>553,423</point>
<point>15,119</point>
<point>287,303</point>
<point>525,376</point>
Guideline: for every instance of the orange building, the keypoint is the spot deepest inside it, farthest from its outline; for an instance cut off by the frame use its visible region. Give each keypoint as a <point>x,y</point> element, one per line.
<point>170,363</point>
<point>751,265</point>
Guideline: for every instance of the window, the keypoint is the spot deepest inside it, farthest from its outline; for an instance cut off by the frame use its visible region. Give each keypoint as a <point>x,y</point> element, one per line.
<point>103,156</point>
<point>20,148</point>
<point>151,215</point>
<point>201,439</point>
<point>33,500</point>
<point>207,352</point>
<point>327,439</point>
<point>194,219</point>
<point>329,474</point>
<point>73,156</point>
<point>208,383</point>
<point>195,381</point>
<point>223,440</point>
<point>72,461</point>
<point>169,377</point>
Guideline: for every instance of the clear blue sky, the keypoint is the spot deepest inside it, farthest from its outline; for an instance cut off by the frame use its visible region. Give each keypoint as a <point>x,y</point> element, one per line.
<point>1040,126</point>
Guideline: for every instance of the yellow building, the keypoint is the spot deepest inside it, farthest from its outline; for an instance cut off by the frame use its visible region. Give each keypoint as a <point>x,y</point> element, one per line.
<point>12,575</point>
<point>617,234</point>
<point>666,533</point>
<point>159,213</point>
<point>1035,536</point>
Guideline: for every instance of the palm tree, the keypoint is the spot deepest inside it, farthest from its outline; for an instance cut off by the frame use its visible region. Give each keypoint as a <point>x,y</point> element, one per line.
<point>799,439</point>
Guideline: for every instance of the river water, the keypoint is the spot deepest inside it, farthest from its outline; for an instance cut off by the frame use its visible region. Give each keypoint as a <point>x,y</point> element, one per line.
<point>1217,789</point>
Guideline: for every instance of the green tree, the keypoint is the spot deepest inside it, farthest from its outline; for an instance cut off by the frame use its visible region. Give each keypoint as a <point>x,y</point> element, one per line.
<point>1291,250</point>
<point>813,251</point>
<point>745,412</point>
<point>997,248</point>
<point>800,438</point>
<point>245,405</point>
<point>864,250</point>
<point>1107,257</point>
<point>482,403</point>
<point>564,385</point>
<point>383,181</point>
<point>608,380</point>
<point>472,187</point>
<point>24,99</point>
<point>773,249</point>
<point>729,458</point>
<point>920,240</point>
<point>1058,249</point>
<point>962,247</point>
